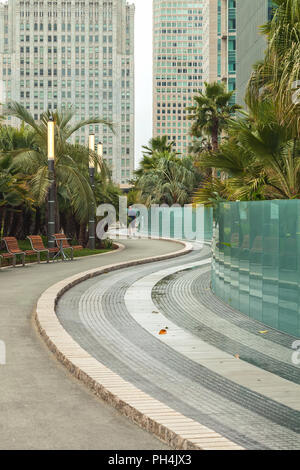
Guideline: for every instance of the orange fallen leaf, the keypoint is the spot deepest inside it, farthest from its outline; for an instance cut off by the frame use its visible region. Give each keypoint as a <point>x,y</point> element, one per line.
<point>163,332</point>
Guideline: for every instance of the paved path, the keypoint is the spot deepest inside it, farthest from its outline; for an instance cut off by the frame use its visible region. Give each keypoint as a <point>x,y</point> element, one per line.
<point>41,405</point>
<point>253,400</point>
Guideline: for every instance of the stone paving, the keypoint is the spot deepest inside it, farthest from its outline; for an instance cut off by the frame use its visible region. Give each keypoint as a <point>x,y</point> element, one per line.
<point>196,308</point>
<point>41,405</point>
<point>251,414</point>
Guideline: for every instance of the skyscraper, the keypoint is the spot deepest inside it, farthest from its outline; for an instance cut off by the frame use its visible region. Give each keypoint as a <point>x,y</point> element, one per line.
<point>177,66</point>
<point>251,14</point>
<point>57,54</point>
<point>220,42</point>
<point>210,40</point>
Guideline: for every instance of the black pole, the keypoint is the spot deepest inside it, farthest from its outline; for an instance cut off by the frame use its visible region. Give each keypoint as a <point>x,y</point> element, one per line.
<point>51,205</point>
<point>92,222</point>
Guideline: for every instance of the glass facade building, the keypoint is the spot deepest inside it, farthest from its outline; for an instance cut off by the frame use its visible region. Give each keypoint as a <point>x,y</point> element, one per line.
<point>231,46</point>
<point>251,44</point>
<point>220,42</point>
<point>177,66</point>
<point>61,54</point>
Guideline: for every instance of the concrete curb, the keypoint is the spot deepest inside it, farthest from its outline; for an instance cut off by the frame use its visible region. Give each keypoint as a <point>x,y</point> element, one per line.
<point>176,430</point>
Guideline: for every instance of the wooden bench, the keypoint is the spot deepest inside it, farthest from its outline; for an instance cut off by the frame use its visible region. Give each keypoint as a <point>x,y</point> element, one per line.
<point>61,238</point>
<point>38,247</point>
<point>7,256</point>
<point>12,247</point>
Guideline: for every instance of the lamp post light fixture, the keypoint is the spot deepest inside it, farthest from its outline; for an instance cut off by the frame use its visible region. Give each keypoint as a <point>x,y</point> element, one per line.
<point>92,150</point>
<point>92,223</point>
<point>51,191</point>
<point>100,151</point>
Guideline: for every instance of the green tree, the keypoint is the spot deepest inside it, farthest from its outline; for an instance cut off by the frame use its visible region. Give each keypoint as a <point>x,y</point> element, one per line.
<point>277,76</point>
<point>150,162</point>
<point>12,138</point>
<point>170,180</point>
<point>211,112</point>
<point>158,144</point>
<point>261,160</point>
<point>16,198</point>
<point>71,163</point>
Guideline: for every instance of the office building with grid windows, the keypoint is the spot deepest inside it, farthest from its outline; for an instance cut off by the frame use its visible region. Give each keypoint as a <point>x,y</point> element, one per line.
<point>219,44</point>
<point>80,54</point>
<point>232,41</point>
<point>251,14</point>
<point>210,41</point>
<point>177,67</point>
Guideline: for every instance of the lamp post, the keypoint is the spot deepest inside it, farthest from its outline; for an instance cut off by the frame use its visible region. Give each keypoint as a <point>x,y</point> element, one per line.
<point>92,231</point>
<point>100,151</point>
<point>51,191</point>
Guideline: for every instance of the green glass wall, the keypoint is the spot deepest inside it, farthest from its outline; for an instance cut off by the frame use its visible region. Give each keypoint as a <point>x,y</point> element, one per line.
<point>256,261</point>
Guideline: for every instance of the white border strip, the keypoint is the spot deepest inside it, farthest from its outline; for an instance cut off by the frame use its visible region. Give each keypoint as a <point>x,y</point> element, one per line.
<point>173,428</point>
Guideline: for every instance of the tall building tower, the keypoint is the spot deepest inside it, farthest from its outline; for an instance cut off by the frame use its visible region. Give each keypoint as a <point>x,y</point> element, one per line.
<point>177,67</point>
<point>220,42</point>
<point>57,54</point>
<point>210,40</point>
<point>251,14</point>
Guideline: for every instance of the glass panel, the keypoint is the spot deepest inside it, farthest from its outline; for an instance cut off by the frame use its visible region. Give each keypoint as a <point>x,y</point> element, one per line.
<point>256,261</point>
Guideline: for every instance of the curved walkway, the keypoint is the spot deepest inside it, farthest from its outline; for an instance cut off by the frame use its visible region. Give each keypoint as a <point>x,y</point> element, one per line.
<point>214,365</point>
<point>41,405</point>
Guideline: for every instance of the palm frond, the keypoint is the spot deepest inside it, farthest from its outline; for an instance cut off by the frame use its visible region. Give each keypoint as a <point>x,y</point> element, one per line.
<point>79,190</point>
<point>87,122</point>
<point>40,184</point>
<point>19,111</point>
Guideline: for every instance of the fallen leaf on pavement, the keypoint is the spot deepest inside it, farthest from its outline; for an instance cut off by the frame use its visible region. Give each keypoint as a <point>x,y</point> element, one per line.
<point>163,332</point>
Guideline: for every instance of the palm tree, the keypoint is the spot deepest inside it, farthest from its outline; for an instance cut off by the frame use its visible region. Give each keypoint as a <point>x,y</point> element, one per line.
<point>70,179</point>
<point>12,138</point>
<point>15,192</point>
<point>103,193</point>
<point>15,196</point>
<point>199,146</point>
<point>151,161</point>
<point>261,159</point>
<point>211,112</point>
<point>158,144</point>
<point>277,76</point>
<point>170,181</point>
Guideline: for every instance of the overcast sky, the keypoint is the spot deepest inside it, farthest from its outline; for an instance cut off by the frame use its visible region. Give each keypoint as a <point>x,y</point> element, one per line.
<point>143,79</point>
<point>143,69</point>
